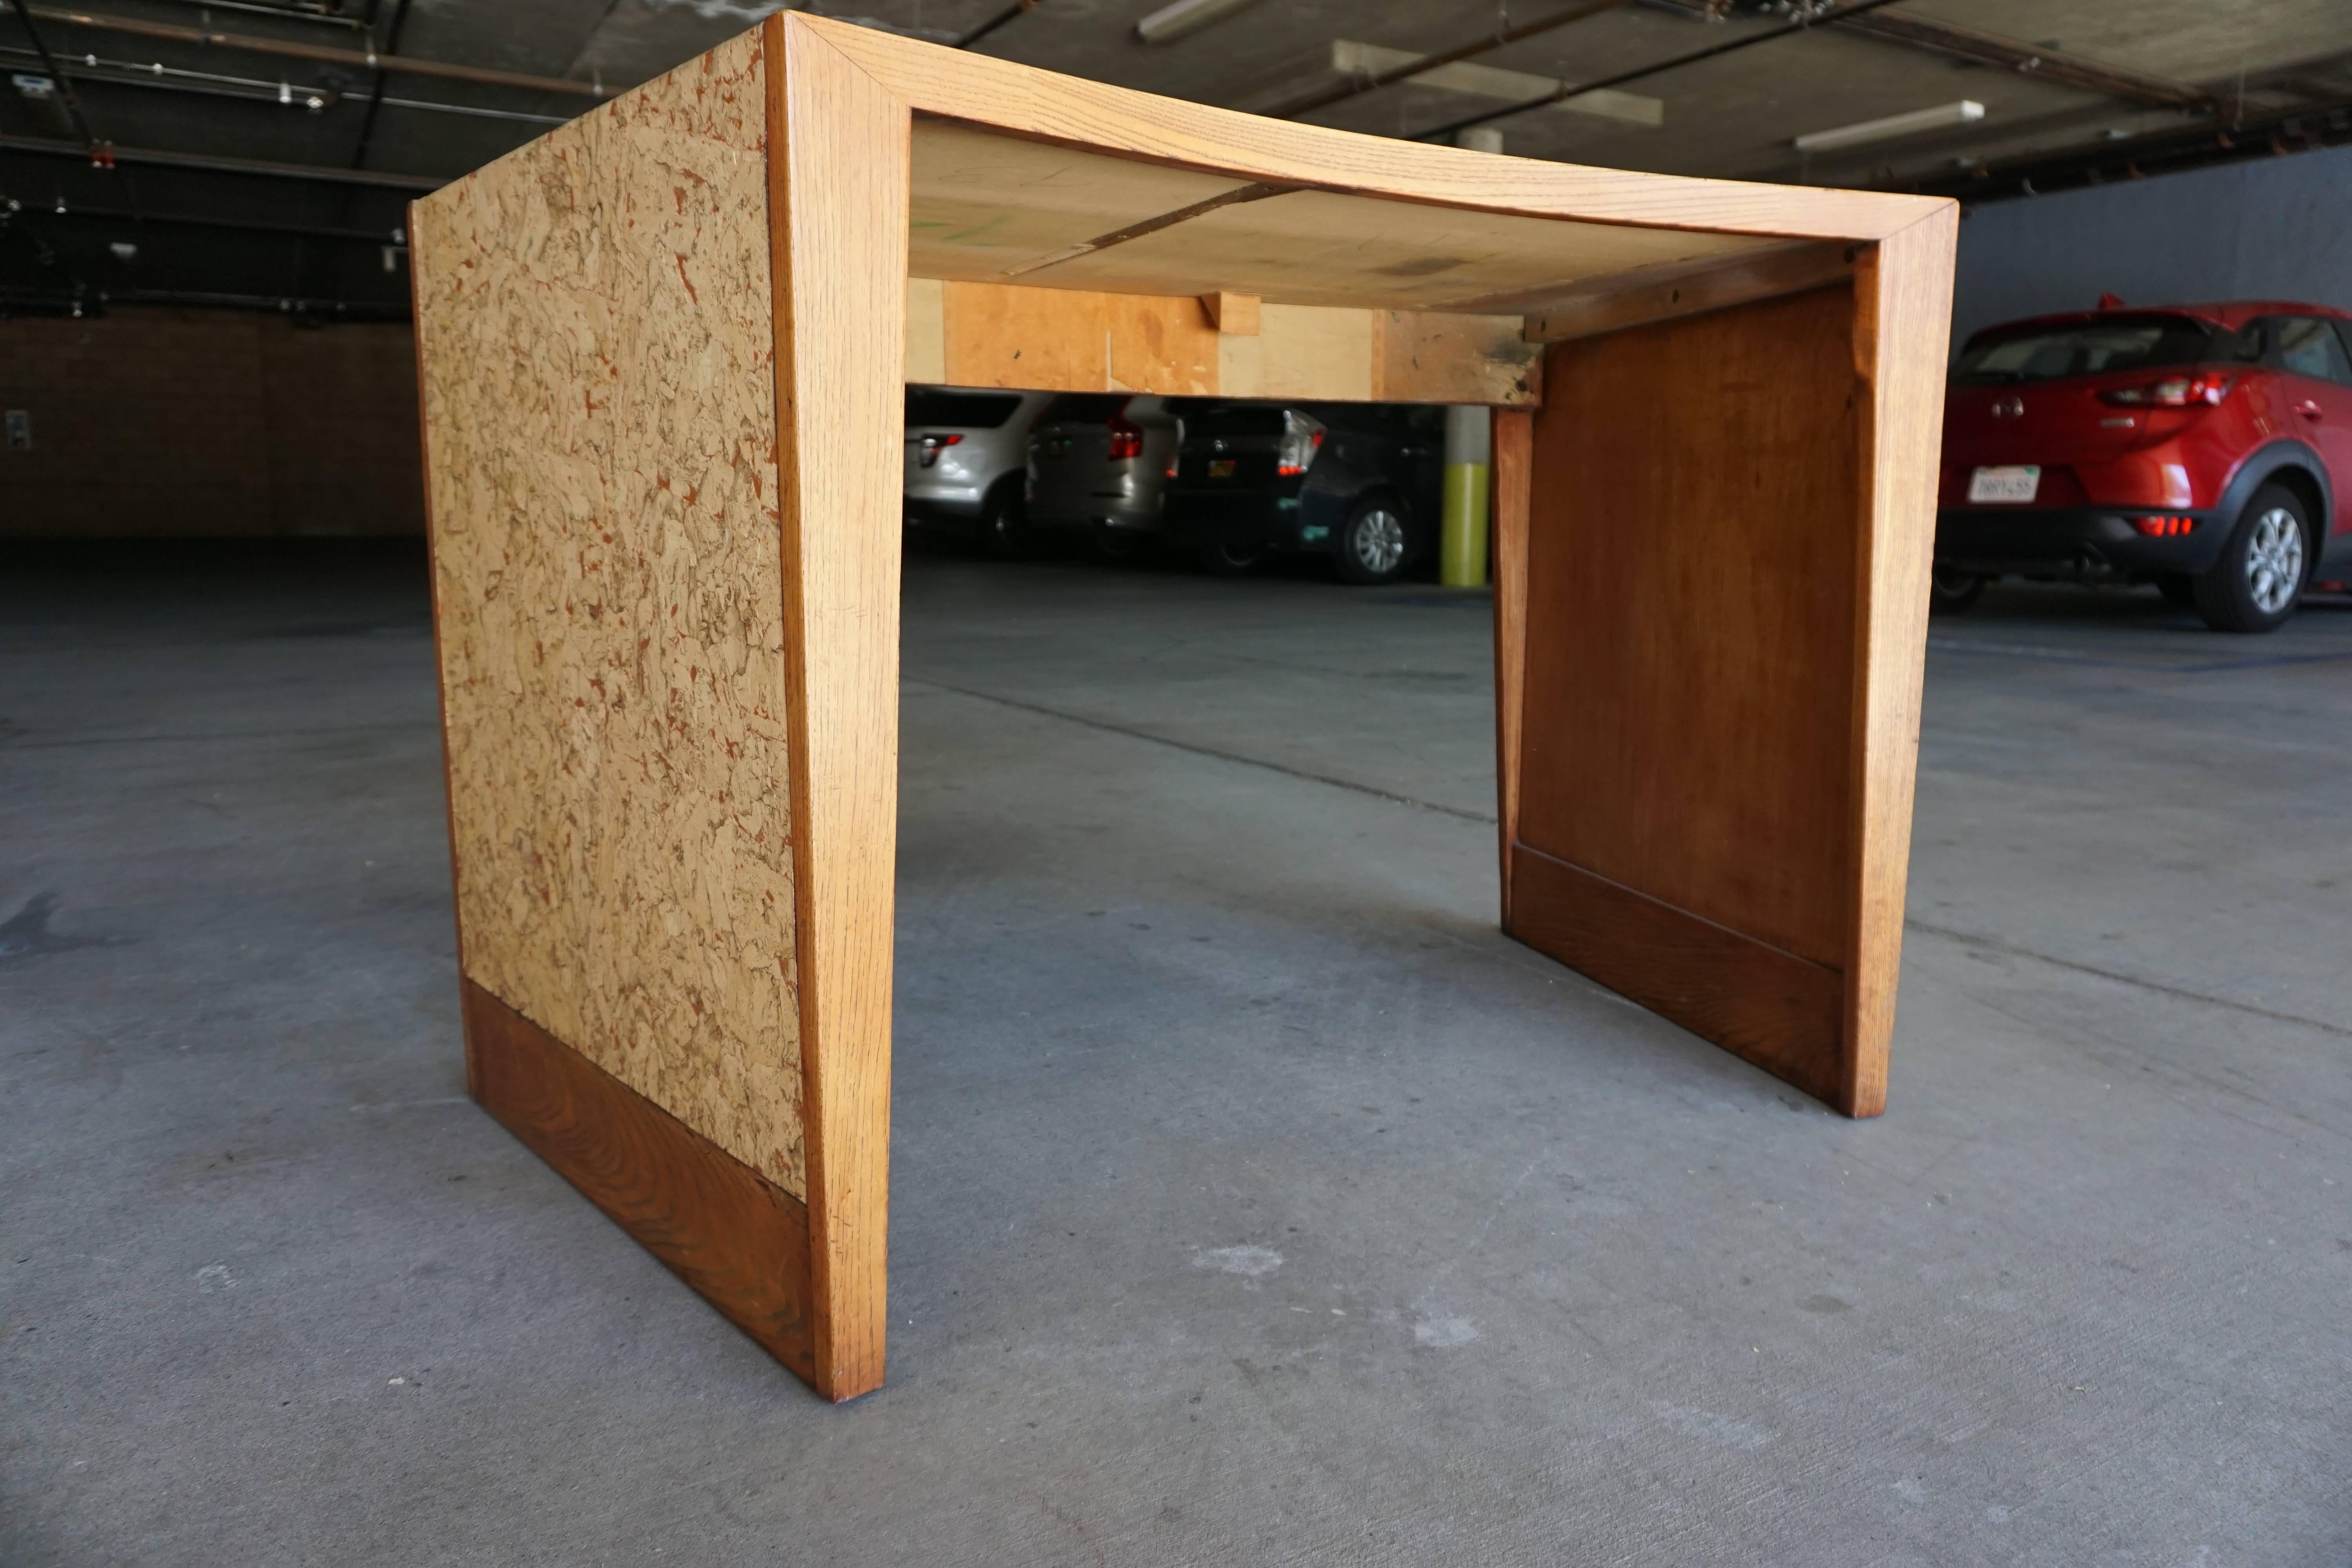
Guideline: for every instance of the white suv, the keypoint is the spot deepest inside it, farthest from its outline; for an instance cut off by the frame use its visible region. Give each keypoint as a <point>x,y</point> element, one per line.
<point>967,457</point>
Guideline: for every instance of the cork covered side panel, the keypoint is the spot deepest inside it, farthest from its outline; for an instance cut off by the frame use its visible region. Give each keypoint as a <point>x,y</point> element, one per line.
<point>599,396</point>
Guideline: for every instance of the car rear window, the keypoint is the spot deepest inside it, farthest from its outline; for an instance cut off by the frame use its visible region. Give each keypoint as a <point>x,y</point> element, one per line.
<point>2004,356</point>
<point>1232,418</point>
<point>967,410</point>
<point>1084,408</point>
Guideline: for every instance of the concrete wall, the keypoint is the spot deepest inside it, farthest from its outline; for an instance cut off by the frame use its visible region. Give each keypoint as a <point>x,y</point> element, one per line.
<point>2270,228</point>
<point>187,422</point>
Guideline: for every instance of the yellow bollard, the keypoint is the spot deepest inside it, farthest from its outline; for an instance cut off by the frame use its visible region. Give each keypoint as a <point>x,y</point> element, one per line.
<point>1461,537</point>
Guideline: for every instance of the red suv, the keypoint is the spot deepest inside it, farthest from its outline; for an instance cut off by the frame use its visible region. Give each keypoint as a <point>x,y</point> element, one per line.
<point>2206,448</point>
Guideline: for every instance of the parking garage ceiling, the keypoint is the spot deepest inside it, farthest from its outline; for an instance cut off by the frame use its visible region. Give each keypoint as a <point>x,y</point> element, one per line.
<point>261,152</point>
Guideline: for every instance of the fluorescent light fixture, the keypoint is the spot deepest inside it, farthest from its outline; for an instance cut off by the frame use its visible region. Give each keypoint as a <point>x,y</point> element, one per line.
<point>1171,22</point>
<point>1961,113</point>
<point>1352,58</point>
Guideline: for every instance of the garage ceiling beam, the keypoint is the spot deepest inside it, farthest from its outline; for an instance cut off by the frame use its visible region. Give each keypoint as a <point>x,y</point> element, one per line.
<point>1357,85</point>
<point>1801,22</point>
<point>283,12</point>
<point>2302,129</point>
<point>2009,54</point>
<point>64,87</point>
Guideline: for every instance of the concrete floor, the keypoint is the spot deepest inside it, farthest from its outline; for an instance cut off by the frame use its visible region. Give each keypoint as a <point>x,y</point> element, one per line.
<point>1255,1202</point>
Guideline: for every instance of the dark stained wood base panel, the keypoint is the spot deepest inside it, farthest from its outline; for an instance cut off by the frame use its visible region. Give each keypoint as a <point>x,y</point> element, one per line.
<point>738,1239</point>
<point>1779,1011</point>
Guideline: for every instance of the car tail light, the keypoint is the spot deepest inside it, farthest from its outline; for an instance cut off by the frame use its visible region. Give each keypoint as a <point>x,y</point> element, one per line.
<point>2174,390</point>
<point>1302,438</point>
<point>1125,438</point>
<point>2164,527</point>
<point>932,445</point>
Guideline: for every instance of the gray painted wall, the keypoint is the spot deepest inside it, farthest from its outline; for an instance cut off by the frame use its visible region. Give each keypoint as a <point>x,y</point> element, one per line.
<point>2274,228</point>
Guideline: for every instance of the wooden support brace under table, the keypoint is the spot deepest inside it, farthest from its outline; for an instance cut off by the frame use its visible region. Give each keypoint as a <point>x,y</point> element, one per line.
<point>662,353</point>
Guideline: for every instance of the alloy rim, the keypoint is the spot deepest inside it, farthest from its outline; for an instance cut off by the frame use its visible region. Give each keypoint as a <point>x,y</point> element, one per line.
<point>1380,541</point>
<point>2275,561</point>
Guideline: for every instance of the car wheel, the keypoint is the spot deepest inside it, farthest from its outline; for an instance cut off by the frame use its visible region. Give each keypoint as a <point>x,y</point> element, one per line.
<point>1950,592</point>
<point>2254,585</point>
<point>1372,545</point>
<point>1004,525</point>
<point>1223,558</point>
<point>2178,588</point>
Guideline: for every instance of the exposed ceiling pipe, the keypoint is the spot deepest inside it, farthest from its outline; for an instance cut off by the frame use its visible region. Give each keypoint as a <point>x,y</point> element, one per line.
<point>155,75</point>
<point>2043,65</point>
<point>1018,9</point>
<point>13,298</point>
<point>164,158</point>
<point>383,79</point>
<point>1356,86</point>
<point>11,206</point>
<point>366,60</point>
<point>283,12</point>
<point>1568,90</point>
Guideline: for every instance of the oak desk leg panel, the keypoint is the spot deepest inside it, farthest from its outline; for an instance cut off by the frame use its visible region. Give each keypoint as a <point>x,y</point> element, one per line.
<point>1770,1007</point>
<point>738,1239</point>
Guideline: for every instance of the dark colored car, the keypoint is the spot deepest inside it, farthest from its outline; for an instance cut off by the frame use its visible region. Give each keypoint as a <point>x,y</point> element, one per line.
<point>1358,482</point>
<point>1096,462</point>
<point>2205,449</point>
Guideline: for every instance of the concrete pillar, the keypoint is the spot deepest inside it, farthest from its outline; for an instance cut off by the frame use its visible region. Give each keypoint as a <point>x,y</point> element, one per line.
<point>1462,541</point>
<point>1469,438</point>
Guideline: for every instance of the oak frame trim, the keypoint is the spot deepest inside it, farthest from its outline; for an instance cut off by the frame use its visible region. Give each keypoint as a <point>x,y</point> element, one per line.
<point>1513,480</point>
<point>838,156</point>
<point>1026,102</point>
<point>1903,312</point>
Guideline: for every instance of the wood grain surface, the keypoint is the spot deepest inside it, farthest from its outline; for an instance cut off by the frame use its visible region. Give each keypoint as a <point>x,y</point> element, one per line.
<point>988,207</point>
<point>837,171</point>
<point>1068,340</point>
<point>1691,289</point>
<point>738,1239</point>
<point>1514,448</point>
<point>1691,615</point>
<point>1903,303</point>
<point>1768,1006</point>
<point>1689,730</point>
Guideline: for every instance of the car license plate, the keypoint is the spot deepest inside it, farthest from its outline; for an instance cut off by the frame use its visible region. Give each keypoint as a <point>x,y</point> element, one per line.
<point>1221,468</point>
<point>2017,484</point>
